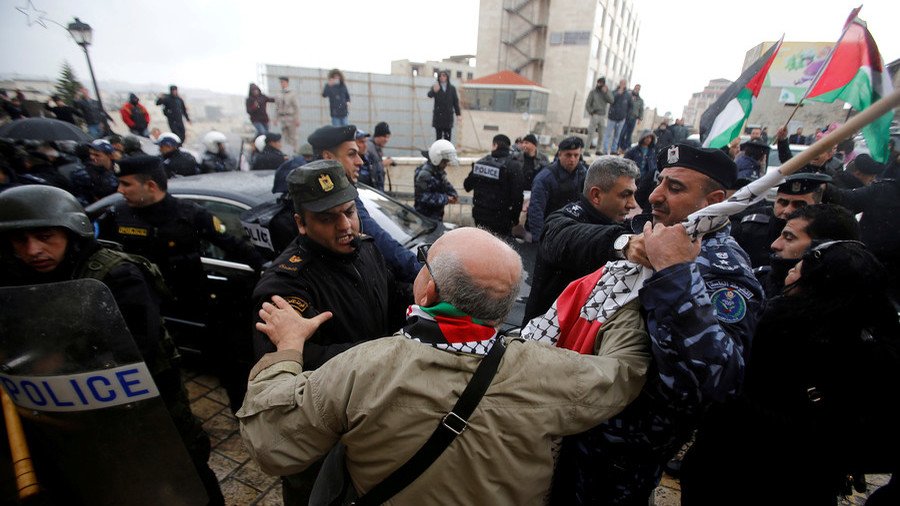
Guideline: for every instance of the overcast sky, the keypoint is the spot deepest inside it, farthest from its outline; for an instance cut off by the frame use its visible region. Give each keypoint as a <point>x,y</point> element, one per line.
<point>217,44</point>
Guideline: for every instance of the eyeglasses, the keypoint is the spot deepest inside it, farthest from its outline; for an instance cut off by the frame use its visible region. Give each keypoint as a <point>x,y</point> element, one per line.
<point>422,256</point>
<point>821,248</point>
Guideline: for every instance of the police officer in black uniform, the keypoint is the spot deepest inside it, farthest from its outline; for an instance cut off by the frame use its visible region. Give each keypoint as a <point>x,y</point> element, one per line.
<point>330,266</point>
<point>582,236</point>
<point>756,229</point>
<point>47,238</point>
<point>497,181</point>
<point>168,231</point>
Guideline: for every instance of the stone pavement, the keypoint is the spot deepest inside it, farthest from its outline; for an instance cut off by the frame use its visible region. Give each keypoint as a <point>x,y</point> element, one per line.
<point>244,484</point>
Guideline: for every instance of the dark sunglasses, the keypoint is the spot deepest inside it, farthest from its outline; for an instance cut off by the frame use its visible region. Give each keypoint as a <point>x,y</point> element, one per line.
<point>422,256</point>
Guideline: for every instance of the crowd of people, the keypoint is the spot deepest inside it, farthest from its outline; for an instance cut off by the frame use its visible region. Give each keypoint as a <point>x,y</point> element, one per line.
<point>772,341</point>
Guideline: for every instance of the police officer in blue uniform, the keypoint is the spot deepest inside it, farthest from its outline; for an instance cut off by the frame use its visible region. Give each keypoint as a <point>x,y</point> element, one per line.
<point>702,305</point>
<point>497,181</point>
<point>756,229</point>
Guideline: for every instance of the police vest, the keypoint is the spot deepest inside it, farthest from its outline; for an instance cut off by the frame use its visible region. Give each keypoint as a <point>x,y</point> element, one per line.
<point>99,265</point>
<point>490,180</point>
<point>566,190</point>
<point>174,246</point>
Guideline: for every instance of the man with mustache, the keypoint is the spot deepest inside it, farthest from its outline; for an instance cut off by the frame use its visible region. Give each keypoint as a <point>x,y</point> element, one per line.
<point>330,266</point>
<point>701,306</point>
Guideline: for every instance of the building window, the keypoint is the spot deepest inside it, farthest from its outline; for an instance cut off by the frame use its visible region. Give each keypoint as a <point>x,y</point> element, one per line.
<point>514,101</point>
<point>469,76</point>
<point>595,47</point>
<point>570,38</point>
<point>459,74</point>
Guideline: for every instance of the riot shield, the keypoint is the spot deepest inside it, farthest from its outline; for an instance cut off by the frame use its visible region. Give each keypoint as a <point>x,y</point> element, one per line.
<point>98,431</point>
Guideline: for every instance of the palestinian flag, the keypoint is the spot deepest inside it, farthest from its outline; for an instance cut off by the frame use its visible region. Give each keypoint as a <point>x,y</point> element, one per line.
<point>855,73</point>
<point>722,121</point>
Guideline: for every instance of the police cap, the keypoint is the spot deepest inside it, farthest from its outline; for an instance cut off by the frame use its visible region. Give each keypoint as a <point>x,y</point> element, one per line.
<point>571,143</point>
<point>140,164</point>
<point>711,162</point>
<point>530,138</point>
<point>330,137</point>
<point>320,185</point>
<point>755,147</point>
<point>803,183</point>
<point>272,137</point>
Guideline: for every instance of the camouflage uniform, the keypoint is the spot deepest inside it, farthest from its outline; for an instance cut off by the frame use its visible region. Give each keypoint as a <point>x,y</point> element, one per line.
<point>700,317</point>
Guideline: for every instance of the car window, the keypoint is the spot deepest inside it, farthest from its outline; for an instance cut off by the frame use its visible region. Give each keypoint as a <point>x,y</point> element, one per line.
<point>228,216</point>
<point>397,220</point>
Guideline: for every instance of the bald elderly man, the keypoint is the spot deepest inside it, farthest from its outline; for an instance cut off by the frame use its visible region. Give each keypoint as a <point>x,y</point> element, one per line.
<point>384,398</point>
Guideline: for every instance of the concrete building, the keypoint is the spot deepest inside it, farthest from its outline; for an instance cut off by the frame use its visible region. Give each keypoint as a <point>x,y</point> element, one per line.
<point>793,70</point>
<point>460,68</point>
<point>701,100</point>
<point>503,103</point>
<point>562,45</point>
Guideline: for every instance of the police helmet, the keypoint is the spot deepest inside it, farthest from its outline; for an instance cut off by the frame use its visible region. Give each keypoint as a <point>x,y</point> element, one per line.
<point>260,143</point>
<point>442,149</point>
<point>39,206</point>
<point>213,139</point>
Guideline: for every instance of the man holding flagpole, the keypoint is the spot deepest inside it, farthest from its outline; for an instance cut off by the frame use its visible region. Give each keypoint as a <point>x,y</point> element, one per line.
<point>701,307</point>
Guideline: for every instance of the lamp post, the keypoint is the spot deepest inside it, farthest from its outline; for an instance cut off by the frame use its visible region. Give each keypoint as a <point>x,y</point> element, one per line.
<point>83,34</point>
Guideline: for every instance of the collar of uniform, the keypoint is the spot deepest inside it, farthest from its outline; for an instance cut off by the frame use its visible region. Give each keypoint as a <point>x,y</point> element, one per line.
<point>596,216</point>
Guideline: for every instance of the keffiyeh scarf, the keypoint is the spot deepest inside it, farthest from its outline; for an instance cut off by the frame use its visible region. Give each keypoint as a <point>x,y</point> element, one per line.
<point>445,327</point>
<point>573,320</point>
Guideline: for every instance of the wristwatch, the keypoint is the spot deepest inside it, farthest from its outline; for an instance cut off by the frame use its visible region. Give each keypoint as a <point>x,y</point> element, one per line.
<point>620,244</point>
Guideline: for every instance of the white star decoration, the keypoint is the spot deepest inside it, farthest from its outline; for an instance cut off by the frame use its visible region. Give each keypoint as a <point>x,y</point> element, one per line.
<point>35,16</point>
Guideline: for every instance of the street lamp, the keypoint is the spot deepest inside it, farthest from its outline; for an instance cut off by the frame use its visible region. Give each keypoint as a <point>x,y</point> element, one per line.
<point>83,34</point>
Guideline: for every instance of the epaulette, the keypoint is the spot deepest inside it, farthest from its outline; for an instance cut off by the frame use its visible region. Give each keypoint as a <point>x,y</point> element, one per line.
<point>757,218</point>
<point>574,210</point>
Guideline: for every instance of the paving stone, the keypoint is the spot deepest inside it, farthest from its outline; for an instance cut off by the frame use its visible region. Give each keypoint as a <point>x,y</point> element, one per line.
<point>238,493</point>
<point>205,408</point>
<point>218,395</point>
<point>252,475</point>
<point>669,482</point>
<point>207,380</point>
<point>220,427</point>
<point>664,496</point>
<point>273,497</point>
<point>221,465</point>
<point>233,448</point>
<point>195,390</point>
<point>877,480</point>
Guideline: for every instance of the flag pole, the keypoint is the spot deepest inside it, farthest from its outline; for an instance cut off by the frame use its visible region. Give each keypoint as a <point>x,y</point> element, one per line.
<point>854,124</point>
<point>815,80</point>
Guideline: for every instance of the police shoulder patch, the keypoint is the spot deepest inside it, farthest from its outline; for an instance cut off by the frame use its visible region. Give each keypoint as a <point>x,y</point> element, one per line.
<point>297,303</point>
<point>729,304</point>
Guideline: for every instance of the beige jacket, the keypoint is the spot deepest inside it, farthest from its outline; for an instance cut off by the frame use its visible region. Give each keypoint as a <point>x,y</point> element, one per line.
<point>384,398</point>
<point>286,105</point>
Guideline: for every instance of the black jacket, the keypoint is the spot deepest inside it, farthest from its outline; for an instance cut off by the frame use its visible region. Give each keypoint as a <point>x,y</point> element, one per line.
<point>497,181</point>
<point>173,108</point>
<point>366,300</point>
<point>171,234</point>
<point>777,429</point>
<point>446,104</point>
<point>755,230</point>
<point>880,204</point>
<point>269,159</point>
<point>576,241</point>
<point>180,163</point>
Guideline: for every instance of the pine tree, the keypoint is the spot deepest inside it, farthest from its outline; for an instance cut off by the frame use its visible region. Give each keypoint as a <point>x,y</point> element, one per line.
<point>68,86</point>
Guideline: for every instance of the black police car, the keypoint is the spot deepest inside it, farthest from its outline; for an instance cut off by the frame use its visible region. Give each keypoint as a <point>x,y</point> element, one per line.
<point>227,196</point>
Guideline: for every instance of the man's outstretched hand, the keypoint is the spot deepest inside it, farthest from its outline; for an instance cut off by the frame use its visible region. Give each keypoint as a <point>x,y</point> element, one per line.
<point>285,327</point>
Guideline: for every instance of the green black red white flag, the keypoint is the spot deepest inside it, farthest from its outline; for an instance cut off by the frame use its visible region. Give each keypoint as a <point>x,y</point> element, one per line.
<point>722,121</point>
<point>855,73</point>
